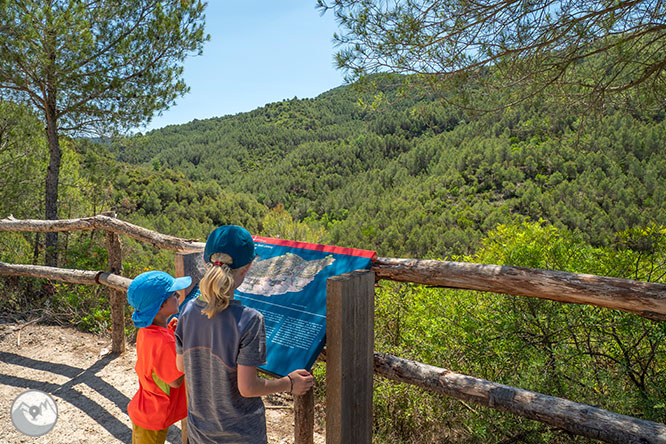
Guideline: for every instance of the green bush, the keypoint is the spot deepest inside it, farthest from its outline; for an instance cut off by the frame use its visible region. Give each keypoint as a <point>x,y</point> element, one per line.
<point>587,354</point>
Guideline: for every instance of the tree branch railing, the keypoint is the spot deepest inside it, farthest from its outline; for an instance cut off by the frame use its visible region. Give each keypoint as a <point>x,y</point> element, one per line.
<point>68,275</point>
<point>645,299</point>
<point>574,417</point>
<point>641,298</point>
<point>107,223</point>
<point>580,419</point>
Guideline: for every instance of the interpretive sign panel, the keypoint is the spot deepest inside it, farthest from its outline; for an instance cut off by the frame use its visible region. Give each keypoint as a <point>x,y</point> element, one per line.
<point>287,284</point>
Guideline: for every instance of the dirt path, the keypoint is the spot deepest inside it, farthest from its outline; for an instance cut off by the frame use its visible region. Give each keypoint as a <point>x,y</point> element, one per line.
<point>90,387</point>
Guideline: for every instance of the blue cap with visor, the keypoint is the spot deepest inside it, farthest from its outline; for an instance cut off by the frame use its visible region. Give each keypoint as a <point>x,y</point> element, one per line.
<point>232,240</point>
<point>148,291</point>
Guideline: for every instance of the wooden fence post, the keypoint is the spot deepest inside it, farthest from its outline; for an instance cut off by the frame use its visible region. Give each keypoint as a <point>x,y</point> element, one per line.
<point>116,297</point>
<point>189,264</point>
<point>350,316</point>
<point>304,418</point>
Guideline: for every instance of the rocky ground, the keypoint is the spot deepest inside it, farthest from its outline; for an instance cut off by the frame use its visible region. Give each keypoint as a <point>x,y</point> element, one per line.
<point>91,387</point>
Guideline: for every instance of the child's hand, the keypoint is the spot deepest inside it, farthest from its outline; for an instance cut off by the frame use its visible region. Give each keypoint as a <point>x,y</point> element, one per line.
<point>302,381</point>
<point>172,324</point>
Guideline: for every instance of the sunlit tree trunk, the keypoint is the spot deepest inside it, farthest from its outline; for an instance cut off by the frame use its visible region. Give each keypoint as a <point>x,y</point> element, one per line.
<point>51,197</point>
<point>53,171</point>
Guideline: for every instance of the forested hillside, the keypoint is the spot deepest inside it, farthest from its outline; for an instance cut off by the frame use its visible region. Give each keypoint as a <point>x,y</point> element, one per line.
<point>405,174</point>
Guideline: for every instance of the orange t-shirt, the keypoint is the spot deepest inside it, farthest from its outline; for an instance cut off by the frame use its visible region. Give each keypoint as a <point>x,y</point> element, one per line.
<point>157,405</point>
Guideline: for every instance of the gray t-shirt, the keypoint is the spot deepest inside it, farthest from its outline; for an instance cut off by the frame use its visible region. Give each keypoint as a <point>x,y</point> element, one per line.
<point>211,349</point>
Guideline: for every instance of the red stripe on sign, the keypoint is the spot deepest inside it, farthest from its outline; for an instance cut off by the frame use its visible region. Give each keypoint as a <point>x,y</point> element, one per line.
<point>372,255</point>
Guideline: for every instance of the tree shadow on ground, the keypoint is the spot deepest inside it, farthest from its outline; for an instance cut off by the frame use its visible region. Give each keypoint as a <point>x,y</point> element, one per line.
<point>66,391</point>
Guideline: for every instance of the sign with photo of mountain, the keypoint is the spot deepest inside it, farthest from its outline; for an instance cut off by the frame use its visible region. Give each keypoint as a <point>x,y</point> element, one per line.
<point>287,284</point>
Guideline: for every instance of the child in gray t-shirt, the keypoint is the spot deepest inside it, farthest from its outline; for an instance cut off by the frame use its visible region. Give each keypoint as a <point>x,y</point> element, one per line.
<point>219,345</point>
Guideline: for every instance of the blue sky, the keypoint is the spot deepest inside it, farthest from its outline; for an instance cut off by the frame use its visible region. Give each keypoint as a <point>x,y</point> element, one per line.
<point>260,51</point>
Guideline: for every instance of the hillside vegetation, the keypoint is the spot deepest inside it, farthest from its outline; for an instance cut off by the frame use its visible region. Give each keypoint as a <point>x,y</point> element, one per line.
<point>405,175</point>
<point>409,176</point>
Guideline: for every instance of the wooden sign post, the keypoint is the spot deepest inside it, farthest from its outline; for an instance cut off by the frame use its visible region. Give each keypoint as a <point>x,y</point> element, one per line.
<point>350,311</point>
<point>189,264</point>
<point>304,418</point>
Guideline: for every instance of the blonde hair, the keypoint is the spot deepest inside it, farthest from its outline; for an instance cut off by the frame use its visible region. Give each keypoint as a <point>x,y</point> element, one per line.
<point>218,285</point>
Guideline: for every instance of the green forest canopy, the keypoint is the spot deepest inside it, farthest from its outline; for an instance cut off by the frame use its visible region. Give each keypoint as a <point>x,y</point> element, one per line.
<point>409,175</point>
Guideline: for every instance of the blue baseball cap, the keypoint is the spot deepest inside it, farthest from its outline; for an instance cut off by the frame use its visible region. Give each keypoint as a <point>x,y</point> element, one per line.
<point>232,240</point>
<point>148,291</point>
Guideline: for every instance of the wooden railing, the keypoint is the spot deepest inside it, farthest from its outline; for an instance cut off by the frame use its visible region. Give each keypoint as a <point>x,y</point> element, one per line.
<point>112,278</point>
<point>350,303</point>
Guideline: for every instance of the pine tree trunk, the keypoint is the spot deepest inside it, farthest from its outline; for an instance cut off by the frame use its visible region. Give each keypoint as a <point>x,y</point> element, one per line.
<point>52,175</point>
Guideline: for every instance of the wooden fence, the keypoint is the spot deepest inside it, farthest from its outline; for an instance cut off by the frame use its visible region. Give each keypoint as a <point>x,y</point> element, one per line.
<point>350,359</point>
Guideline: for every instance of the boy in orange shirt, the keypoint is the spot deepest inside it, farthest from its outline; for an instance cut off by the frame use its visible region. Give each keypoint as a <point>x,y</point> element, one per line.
<point>160,400</point>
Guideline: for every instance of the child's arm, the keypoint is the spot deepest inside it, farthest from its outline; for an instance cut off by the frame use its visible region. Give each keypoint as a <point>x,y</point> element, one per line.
<point>250,385</point>
<point>179,363</point>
